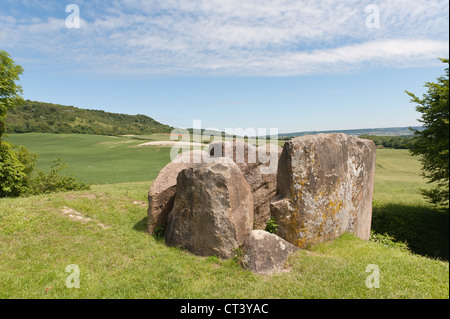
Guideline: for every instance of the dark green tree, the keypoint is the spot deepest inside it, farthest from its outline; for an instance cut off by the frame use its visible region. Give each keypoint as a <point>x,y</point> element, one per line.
<point>13,172</point>
<point>432,143</point>
<point>10,91</point>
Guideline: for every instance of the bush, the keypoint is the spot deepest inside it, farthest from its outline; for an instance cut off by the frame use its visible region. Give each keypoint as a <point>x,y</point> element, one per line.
<point>159,232</point>
<point>272,226</point>
<point>13,173</point>
<point>388,241</point>
<point>53,182</point>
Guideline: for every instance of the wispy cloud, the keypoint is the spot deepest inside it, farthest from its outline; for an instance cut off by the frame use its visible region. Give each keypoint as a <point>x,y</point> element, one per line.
<point>233,37</point>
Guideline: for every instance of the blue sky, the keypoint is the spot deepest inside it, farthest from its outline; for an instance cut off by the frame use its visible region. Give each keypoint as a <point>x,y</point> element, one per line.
<point>290,65</point>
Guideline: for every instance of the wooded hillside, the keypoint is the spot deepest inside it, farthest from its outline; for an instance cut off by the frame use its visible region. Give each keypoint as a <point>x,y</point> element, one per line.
<point>42,117</point>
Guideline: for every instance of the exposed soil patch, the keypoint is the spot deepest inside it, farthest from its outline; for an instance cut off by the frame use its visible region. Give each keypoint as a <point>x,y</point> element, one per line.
<point>77,216</point>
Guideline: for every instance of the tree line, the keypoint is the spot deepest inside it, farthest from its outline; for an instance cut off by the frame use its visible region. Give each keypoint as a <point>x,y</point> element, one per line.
<point>385,141</point>
<point>396,142</point>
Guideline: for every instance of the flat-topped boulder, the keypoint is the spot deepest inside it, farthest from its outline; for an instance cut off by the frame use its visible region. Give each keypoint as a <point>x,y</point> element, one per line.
<point>324,188</point>
<point>213,209</point>
<point>162,191</point>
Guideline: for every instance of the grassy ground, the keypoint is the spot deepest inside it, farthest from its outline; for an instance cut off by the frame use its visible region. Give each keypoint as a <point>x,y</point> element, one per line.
<point>40,236</point>
<point>117,259</point>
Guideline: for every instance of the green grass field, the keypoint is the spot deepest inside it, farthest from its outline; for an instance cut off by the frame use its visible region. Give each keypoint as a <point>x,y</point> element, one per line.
<point>97,159</point>
<point>117,259</point>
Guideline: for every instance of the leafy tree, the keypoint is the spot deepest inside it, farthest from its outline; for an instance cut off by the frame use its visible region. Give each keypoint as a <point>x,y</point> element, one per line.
<point>10,91</point>
<point>432,143</point>
<point>13,173</point>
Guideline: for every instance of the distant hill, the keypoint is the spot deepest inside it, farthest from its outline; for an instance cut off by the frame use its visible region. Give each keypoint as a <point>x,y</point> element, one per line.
<point>42,117</point>
<point>387,131</point>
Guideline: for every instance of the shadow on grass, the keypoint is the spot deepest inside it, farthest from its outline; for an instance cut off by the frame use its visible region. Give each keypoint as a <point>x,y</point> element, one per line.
<point>423,228</point>
<point>141,225</point>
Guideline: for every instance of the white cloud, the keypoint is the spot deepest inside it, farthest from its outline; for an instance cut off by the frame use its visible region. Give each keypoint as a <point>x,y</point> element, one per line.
<point>398,53</point>
<point>233,37</point>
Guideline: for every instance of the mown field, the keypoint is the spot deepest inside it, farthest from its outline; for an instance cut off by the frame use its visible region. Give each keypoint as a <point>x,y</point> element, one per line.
<point>39,237</point>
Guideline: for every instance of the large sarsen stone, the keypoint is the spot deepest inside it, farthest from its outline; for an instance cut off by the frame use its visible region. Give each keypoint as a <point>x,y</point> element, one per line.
<point>324,188</point>
<point>213,209</point>
<point>162,192</point>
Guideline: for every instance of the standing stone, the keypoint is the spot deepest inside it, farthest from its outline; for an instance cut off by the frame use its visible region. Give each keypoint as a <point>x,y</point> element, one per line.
<point>162,192</point>
<point>213,209</point>
<point>259,166</point>
<point>266,253</point>
<point>324,188</point>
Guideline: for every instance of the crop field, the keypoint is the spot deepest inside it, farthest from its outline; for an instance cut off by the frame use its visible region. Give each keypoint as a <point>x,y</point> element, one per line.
<point>102,232</point>
<point>97,159</point>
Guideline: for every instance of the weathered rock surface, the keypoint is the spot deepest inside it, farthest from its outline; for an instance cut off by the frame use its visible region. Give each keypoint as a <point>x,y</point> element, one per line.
<point>242,153</point>
<point>266,253</point>
<point>324,188</point>
<point>259,166</point>
<point>213,209</point>
<point>263,181</point>
<point>162,192</point>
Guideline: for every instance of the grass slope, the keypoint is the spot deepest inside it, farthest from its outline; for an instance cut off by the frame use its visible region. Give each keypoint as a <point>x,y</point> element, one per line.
<point>117,259</point>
